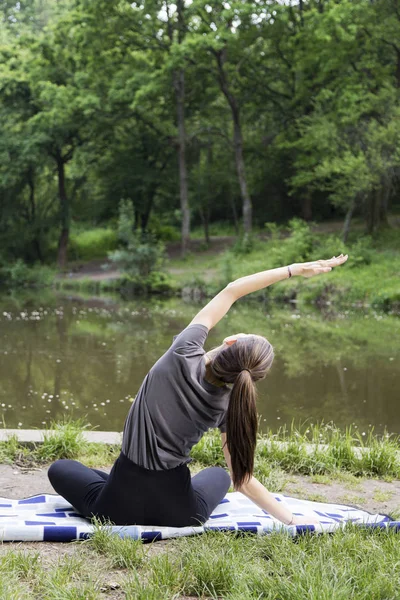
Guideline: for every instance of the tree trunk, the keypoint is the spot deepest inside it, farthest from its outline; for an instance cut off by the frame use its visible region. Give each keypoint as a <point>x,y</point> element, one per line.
<point>151,194</point>
<point>205,220</point>
<point>397,68</point>
<point>179,84</point>
<point>306,207</point>
<point>246,202</point>
<point>384,206</point>
<point>206,216</point>
<point>234,211</point>
<point>238,144</point>
<point>36,241</point>
<point>146,215</point>
<point>373,213</point>
<point>149,207</point>
<point>64,213</point>
<point>347,221</point>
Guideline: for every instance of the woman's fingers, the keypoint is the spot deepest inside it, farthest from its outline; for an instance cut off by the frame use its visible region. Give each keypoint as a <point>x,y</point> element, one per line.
<point>335,260</point>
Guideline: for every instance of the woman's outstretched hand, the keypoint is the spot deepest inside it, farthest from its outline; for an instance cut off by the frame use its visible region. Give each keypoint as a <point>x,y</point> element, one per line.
<point>316,267</point>
<point>305,520</point>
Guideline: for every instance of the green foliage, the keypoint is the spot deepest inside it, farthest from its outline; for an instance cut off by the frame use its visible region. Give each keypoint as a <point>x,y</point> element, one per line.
<point>164,230</point>
<point>124,552</point>
<point>313,449</point>
<point>156,282</point>
<point>64,440</point>
<point>84,122</point>
<point>92,243</point>
<point>142,254</point>
<point>361,251</point>
<point>244,245</point>
<point>19,274</point>
<point>297,247</point>
<point>10,449</point>
<point>22,564</point>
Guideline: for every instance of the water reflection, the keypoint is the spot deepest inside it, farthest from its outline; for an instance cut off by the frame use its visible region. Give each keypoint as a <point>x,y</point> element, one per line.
<point>87,358</point>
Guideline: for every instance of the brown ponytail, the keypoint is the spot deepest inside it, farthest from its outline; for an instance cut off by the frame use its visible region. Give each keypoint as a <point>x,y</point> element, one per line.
<point>241,428</point>
<point>242,363</point>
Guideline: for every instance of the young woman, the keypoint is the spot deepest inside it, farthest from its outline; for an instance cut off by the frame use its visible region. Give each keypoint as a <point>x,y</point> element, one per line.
<point>185,393</point>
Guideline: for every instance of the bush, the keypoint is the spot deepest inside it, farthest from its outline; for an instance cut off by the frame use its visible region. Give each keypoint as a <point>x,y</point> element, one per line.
<point>156,282</point>
<point>302,245</point>
<point>140,254</point>
<point>164,231</point>
<point>362,251</point>
<point>19,274</point>
<point>244,245</point>
<point>93,243</point>
<point>295,248</point>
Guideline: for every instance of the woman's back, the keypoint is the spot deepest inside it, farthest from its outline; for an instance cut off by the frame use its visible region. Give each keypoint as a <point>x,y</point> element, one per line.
<point>174,406</point>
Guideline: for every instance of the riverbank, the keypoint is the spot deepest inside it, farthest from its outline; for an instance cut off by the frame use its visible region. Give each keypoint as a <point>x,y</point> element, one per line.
<point>370,278</point>
<point>352,563</point>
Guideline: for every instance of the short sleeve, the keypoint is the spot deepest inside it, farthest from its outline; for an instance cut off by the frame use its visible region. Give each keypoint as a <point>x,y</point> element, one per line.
<point>222,425</point>
<point>191,340</point>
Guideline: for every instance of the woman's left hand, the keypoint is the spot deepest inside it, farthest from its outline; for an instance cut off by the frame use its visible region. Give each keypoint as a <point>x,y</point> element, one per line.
<point>316,267</point>
<point>305,520</point>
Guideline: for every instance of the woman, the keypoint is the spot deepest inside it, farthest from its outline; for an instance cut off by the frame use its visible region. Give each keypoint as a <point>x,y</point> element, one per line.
<point>185,393</point>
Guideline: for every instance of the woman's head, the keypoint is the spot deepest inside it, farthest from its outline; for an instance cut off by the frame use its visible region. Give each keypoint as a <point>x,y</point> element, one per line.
<point>242,360</point>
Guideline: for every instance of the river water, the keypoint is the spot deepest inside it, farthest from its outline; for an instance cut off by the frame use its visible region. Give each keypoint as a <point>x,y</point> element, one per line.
<point>86,358</point>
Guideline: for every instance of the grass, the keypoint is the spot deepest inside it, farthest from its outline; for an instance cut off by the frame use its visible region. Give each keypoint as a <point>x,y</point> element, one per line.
<point>382,495</point>
<point>368,278</point>
<point>318,450</point>
<point>123,553</point>
<point>354,563</point>
<point>92,243</point>
<point>315,450</point>
<point>63,439</point>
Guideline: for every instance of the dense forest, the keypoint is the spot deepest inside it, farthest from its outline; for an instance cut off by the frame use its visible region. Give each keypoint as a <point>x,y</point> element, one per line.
<point>195,111</point>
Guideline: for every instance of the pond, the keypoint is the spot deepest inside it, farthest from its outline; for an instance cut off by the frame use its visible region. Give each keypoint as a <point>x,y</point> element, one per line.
<point>86,358</point>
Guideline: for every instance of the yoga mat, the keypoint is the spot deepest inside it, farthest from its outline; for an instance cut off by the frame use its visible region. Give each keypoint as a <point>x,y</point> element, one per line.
<point>50,518</point>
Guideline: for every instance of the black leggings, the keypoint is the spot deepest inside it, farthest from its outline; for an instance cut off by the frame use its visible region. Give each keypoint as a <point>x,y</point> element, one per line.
<point>132,495</point>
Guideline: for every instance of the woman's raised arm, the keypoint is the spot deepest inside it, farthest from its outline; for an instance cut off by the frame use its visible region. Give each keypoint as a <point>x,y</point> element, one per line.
<point>217,308</point>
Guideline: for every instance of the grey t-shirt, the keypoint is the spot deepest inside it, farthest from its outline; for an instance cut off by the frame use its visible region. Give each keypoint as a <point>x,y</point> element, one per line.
<point>174,406</point>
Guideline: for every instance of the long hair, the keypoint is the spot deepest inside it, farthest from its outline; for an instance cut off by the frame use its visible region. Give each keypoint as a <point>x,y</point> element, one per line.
<point>242,364</point>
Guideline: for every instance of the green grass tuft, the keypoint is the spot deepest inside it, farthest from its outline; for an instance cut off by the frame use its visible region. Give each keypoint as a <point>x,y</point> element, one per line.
<point>123,553</point>
<point>64,440</point>
<point>20,564</point>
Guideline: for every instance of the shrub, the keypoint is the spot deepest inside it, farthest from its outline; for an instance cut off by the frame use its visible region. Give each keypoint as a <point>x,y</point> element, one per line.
<point>164,231</point>
<point>140,254</point>
<point>156,282</point>
<point>362,251</point>
<point>93,243</point>
<point>19,274</point>
<point>302,245</point>
<point>244,245</point>
<point>328,246</point>
<point>295,248</point>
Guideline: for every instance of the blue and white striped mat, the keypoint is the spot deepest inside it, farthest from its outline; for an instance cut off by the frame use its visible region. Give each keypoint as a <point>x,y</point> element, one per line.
<point>50,518</point>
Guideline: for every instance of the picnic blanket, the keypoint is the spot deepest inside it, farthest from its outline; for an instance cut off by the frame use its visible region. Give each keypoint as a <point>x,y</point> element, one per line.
<point>50,518</point>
